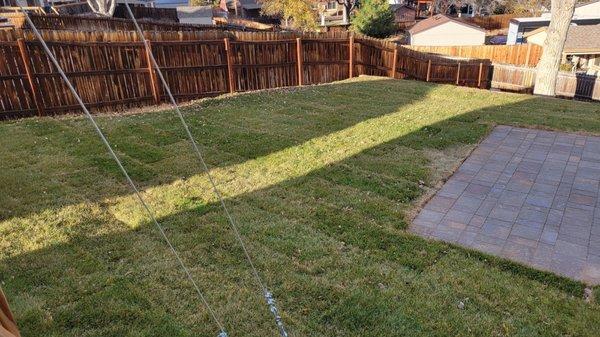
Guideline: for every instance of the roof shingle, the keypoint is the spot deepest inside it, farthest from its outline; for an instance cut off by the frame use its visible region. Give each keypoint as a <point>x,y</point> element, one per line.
<point>437,20</point>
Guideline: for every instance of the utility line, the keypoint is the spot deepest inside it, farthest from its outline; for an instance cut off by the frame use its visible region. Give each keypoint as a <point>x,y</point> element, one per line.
<point>266,293</point>
<point>124,171</point>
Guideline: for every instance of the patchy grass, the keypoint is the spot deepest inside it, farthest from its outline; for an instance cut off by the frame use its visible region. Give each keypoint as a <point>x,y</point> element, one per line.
<point>321,180</point>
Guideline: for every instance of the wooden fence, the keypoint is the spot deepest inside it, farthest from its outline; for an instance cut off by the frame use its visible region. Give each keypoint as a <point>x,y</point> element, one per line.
<point>243,23</point>
<point>376,57</point>
<point>72,8</point>
<point>126,36</point>
<point>116,74</point>
<point>522,79</point>
<point>151,13</point>
<point>74,22</point>
<point>521,55</point>
<point>493,22</point>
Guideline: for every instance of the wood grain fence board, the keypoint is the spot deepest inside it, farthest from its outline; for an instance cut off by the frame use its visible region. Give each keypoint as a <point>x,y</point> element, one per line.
<point>88,23</point>
<point>524,54</point>
<point>260,66</point>
<point>112,71</point>
<point>493,22</point>
<point>325,61</point>
<point>16,99</point>
<point>522,79</point>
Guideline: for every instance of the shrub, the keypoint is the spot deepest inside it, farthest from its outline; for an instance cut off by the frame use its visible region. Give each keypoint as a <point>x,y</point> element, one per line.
<point>374,18</point>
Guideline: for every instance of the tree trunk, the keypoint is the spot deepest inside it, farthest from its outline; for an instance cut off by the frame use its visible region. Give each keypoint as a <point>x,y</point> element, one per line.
<point>103,7</point>
<point>547,70</point>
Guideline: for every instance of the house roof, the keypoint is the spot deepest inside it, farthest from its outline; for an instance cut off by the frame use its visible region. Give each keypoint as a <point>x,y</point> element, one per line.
<point>437,20</point>
<point>192,12</point>
<point>405,8</point>
<point>170,3</point>
<point>250,4</point>
<point>580,39</point>
<point>586,3</point>
<point>583,38</point>
<point>535,31</point>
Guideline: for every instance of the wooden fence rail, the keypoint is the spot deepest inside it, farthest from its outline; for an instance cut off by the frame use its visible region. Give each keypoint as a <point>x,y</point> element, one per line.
<point>492,22</point>
<point>522,79</point>
<point>116,75</point>
<point>84,23</point>
<point>152,13</point>
<point>521,55</point>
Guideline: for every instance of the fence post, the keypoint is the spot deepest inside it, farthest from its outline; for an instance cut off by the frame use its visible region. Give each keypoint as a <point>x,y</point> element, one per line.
<point>351,56</point>
<point>29,73</point>
<point>394,62</point>
<point>428,70</point>
<point>229,65</point>
<point>153,82</point>
<point>458,73</point>
<point>528,54</point>
<point>480,73</point>
<point>299,60</point>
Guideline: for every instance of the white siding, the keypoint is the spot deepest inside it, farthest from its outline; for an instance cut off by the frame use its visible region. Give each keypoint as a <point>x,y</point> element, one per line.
<point>538,38</point>
<point>449,34</point>
<point>197,21</point>
<point>589,10</point>
<point>513,33</point>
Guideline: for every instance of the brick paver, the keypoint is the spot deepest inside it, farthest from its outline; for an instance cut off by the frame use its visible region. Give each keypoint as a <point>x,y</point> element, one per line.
<point>527,195</point>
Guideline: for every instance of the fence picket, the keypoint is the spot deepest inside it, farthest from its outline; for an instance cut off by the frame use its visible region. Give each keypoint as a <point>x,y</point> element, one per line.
<point>299,56</point>
<point>30,77</point>
<point>229,66</point>
<point>113,71</point>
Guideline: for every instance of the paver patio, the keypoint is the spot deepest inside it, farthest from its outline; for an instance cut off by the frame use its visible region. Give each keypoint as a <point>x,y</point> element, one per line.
<point>527,195</point>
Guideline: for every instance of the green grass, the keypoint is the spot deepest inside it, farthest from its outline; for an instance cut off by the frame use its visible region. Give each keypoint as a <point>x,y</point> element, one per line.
<point>321,181</point>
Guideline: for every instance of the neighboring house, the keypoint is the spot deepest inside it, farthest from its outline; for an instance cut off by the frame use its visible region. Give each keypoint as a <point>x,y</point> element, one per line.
<point>585,14</point>
<point>198,15</point>
<point>582,47</point>
<point>24,3</point>
<point>404,15</point>
<point>441,30</point>
<point>424,8</point>
<point>170,3</point>
<point>33,3</point>
<point>520,26</point>
<point>249,9</point>
<point>332,14</point>
<point>537,36</point>
<point>585,10</point>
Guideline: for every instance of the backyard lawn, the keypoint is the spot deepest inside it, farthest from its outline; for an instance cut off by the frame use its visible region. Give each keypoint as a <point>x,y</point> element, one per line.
<point>322,180</point>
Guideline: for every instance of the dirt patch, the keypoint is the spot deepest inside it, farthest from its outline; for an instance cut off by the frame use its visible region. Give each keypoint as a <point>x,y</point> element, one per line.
<point>442,164</point>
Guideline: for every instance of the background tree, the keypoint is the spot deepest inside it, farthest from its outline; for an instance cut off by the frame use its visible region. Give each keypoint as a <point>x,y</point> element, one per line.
<point>547,69</point>
<point>442,6</point>
<point>481,7</point>
<point>348,7</point>
<point>296,14</point>
<point>374,18</point>
<point>525,7</point>
<point>103,7</point>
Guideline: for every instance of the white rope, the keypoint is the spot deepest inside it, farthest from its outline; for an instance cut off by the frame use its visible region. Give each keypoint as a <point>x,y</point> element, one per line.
<point>122,168</point>
<point>266,293</point>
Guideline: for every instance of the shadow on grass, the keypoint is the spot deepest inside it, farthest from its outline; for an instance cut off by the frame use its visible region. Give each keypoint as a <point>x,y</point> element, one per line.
<point>49,161</point>
<point>329,239</point>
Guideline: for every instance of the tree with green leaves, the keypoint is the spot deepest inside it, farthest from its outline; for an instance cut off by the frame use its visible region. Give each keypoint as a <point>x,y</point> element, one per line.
<point>374,18</point>
<point>295,14</point>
